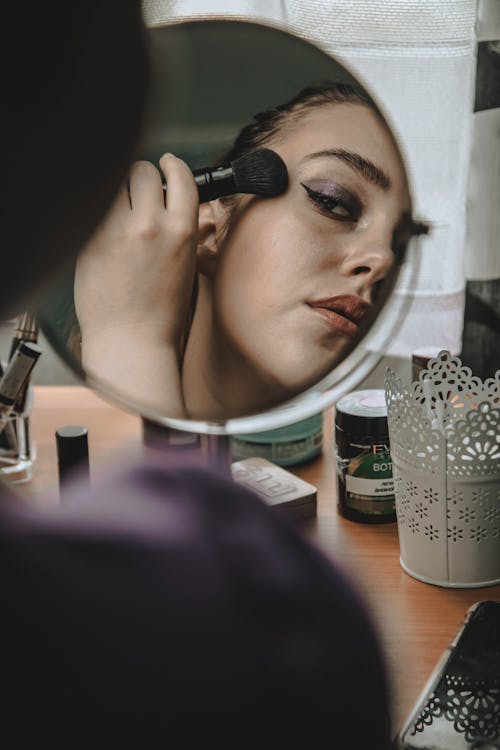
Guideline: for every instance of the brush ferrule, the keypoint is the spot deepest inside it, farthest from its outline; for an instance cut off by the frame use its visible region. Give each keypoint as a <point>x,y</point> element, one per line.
<point>214,183</point>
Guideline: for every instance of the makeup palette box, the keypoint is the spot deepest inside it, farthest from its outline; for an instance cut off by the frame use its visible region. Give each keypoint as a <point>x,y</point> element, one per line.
<point>277,487</point>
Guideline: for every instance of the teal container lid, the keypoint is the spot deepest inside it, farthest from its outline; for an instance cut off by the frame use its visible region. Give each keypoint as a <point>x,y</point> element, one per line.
<point>294,431</point>
<point>285,446</point>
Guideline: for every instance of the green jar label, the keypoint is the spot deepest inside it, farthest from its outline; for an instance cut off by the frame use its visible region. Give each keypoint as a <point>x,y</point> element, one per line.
<point>369,486</point>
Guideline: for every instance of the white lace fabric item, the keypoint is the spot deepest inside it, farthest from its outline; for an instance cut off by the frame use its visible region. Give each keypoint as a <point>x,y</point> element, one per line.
<point>444,432</point>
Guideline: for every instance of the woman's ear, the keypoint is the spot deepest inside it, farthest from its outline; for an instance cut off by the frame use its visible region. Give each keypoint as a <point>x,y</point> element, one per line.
<point>209,217</point>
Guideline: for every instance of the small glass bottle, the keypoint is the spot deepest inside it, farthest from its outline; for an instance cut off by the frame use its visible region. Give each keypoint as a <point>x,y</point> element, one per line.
<point>364,466</point>
<point>17,451</point>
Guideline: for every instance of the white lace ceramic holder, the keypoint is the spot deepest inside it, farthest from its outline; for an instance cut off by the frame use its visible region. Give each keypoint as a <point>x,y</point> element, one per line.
<point>444,432</point>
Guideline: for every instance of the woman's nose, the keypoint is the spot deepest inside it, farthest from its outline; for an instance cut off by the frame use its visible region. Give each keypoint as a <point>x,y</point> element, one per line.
<point>368,256</point>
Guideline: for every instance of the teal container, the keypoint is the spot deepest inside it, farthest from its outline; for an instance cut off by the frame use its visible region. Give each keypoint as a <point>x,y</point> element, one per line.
<point>285,446</point>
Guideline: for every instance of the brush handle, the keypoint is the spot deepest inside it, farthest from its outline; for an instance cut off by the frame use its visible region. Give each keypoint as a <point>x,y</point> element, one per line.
<point>213,183</point>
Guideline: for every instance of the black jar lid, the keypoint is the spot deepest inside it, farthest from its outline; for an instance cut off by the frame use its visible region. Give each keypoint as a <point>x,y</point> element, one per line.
<point>362,413</point>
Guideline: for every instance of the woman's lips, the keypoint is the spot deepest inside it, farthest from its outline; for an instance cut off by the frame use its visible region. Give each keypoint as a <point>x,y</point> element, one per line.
<point>344,312</point>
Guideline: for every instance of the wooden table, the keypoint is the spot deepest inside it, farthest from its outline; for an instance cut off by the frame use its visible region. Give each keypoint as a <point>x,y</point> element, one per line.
<point>416,621</point>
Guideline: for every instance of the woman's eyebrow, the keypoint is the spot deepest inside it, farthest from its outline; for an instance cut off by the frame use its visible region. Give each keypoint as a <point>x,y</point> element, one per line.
<point>358,163</point>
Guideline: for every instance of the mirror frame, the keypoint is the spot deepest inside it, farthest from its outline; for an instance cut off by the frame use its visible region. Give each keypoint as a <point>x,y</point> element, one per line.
<point>346,375</point>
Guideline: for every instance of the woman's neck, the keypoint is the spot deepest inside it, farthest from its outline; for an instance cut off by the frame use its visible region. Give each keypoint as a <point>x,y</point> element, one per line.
<point>217,382</point>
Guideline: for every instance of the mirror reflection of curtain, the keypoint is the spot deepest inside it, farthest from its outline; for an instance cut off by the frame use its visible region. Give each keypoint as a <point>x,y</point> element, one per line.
<point>418,59</point>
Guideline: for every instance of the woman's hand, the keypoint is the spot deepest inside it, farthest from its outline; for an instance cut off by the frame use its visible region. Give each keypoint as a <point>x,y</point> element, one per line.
<point>133,285</point>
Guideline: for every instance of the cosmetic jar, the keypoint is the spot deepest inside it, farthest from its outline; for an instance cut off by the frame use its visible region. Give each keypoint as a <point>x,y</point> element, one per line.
<point>364,466</point>
<point>284,446</point>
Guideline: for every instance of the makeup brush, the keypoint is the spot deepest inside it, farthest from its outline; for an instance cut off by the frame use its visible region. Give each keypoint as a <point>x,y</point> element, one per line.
<point>260,172</point>
<point>26,330</point>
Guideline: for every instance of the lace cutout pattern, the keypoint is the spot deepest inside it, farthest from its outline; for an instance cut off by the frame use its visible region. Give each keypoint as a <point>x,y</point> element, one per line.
<point>445,445</point>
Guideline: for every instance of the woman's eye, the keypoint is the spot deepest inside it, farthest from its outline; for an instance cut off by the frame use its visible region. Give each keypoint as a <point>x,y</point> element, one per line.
<point>335,204</point>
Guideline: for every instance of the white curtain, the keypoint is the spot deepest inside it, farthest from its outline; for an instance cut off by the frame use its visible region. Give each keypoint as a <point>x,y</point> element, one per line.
<point>417,58</point>
<point>483,222</point>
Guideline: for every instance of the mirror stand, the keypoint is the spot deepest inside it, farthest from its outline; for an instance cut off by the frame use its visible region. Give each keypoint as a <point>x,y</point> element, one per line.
<point>218,452</point>
<point>212,450</point>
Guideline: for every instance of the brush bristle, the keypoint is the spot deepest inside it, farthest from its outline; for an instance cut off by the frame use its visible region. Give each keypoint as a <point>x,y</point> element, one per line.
<point>261,172</point>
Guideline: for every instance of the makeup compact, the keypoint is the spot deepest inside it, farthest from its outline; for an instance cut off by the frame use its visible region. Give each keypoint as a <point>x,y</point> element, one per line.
<point>277,487</point>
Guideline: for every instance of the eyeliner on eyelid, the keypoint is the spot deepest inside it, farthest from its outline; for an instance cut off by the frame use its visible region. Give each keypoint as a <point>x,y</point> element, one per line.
<point>326,191</point>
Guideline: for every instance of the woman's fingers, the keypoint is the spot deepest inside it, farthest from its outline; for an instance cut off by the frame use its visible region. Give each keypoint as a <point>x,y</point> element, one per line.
<point>136,283</point>
<point>182,193</point>
<point>119,210</point>
<point>146,191</point>
<point>146,195</point>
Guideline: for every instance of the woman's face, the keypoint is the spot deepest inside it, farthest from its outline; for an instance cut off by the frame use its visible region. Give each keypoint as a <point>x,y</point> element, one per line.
<point>296,275</point>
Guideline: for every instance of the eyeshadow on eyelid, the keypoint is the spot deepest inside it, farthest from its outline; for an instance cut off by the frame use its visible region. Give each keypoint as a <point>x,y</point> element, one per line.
<point>322,185</point>
<point>332,189</point>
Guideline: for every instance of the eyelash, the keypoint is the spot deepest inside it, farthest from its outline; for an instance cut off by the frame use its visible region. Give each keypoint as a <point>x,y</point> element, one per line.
<point>399,246</point>
<point>326,203</point>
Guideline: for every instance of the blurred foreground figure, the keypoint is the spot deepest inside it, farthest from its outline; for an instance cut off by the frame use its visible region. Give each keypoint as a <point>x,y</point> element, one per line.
<point>168,602</point>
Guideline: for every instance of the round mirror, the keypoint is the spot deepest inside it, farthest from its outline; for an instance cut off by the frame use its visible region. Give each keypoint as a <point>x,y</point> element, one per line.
<point>254,308</point>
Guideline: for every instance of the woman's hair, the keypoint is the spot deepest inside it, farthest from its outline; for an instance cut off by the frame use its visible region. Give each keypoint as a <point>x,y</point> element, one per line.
<point>268,124</point>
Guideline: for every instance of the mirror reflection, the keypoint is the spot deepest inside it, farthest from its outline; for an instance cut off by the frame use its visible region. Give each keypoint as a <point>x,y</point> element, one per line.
<point>222,308</point>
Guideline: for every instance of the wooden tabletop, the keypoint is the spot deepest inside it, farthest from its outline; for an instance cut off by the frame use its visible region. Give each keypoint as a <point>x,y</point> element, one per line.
<point>416,621</point>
